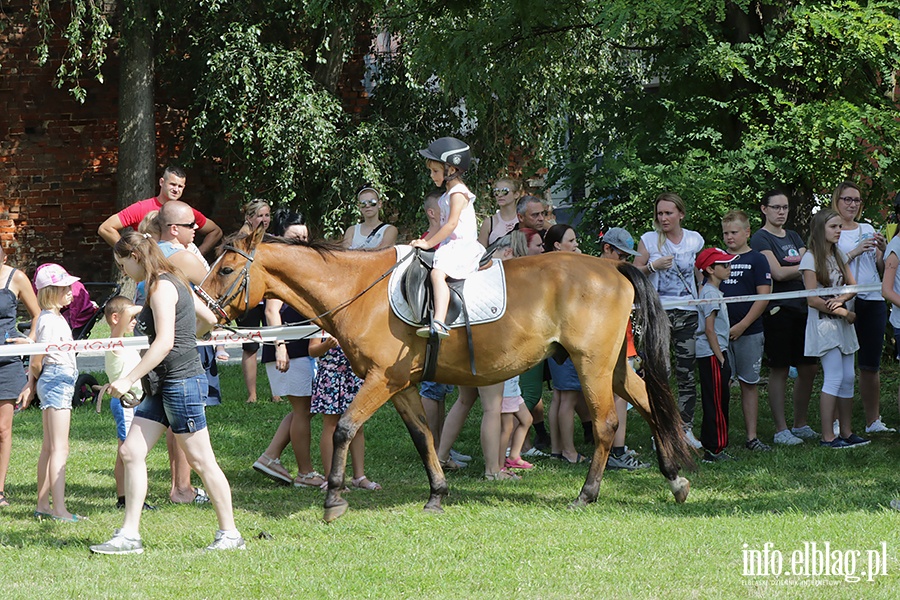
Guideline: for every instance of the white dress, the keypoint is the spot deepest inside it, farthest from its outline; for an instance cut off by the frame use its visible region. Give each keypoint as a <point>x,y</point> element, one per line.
<point>824,331</point>
<point>458,255</point>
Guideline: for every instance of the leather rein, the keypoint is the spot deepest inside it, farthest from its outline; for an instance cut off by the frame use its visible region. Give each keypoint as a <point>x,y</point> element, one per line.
<point>241,284</point>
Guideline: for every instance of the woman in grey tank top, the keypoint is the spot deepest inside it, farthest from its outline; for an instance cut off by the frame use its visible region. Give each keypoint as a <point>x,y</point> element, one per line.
<point>175,393</point>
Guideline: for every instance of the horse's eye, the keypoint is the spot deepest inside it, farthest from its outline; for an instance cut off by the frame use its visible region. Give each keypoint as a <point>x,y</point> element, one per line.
<point>226,271</point>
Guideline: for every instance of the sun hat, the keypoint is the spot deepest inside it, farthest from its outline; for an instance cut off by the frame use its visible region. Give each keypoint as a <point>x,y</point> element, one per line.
<point>52,274</point>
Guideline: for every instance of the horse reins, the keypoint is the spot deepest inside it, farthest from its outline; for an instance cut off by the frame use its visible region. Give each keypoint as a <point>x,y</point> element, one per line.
<point>242,284</point>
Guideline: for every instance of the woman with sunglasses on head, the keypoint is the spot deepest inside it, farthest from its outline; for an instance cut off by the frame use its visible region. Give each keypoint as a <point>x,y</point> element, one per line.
<point>865,248</point>
<point>784,322</point>
<point>506,191</point>
<point>667,255</point>
<point>257,213</point>
<point>372,233</point>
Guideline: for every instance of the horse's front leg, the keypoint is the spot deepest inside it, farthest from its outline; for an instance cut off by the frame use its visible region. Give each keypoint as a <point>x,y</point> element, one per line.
<point>409,404</point>
<point>373,393</point>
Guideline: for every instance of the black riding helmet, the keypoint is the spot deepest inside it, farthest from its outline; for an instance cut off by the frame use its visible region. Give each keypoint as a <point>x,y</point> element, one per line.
<point>449,151</point>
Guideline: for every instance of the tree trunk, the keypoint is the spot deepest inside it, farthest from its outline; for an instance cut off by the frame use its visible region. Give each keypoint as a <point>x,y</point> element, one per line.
<point>137,117</point>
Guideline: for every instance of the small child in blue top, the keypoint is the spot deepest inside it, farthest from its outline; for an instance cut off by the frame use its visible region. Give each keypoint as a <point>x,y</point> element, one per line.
<point>712,360</point>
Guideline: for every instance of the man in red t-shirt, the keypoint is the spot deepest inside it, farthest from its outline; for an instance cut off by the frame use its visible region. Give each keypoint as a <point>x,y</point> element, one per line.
<point>171,186</point>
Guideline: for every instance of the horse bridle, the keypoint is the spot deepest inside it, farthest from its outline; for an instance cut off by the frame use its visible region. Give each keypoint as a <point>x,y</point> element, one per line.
<point>240,284</point>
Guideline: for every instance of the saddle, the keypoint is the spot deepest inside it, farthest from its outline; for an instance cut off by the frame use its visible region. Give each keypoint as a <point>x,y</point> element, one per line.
<point>412,298</point>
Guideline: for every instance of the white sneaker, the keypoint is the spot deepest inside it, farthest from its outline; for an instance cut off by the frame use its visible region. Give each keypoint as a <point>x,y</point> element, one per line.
<point>119,544</point>
<point>878,427</point>
<point>534,453</point>
<point>786,438</point>
<point>460,457</point>
<point>692,440</point>
<point>227,543</point>
<point>805,433</point>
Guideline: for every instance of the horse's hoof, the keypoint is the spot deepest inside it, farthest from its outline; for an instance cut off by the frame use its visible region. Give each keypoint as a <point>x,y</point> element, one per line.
<point>578,503</point>
<point>434,510</point>
<point>681,487</point>
<point>335,511</point>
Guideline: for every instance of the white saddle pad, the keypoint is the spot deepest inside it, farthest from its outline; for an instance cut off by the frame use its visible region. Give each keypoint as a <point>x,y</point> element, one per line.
<point>484,293</point>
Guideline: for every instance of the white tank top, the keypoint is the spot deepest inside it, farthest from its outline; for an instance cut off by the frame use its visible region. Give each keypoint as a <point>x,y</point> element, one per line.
<point>373,240</point>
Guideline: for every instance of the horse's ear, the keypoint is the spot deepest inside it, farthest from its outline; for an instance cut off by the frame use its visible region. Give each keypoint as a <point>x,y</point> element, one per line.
<point>257,236</point>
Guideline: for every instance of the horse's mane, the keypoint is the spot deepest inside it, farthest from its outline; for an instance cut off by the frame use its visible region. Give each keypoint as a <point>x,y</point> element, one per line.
<point>321,246</point>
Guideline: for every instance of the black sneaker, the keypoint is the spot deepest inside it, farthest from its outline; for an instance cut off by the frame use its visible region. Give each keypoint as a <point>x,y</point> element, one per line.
<point>755,445</point>
<point>837,443</point>
<point>855,440</point>
<point>712,457</point>
<point>120,504</point>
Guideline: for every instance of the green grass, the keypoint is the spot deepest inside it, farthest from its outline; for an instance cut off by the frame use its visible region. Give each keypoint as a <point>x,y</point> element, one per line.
<point>495,539</point>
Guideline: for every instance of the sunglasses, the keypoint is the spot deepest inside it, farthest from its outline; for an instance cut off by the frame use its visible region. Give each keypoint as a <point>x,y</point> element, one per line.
<point>500,191</point>
<point>188,225</point>
<point>365,203</point>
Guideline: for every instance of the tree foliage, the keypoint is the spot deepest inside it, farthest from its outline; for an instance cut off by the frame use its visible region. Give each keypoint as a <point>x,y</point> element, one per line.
<point>713,99</point>
<point>716,101</point>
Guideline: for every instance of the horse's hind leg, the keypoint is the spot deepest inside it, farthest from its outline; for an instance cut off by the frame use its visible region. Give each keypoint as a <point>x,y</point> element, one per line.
<point>632,388</point>
<point>409,405</point>
<point>598,395</point>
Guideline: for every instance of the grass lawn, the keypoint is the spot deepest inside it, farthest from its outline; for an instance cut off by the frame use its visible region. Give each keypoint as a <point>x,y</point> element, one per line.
<point>495,539</point>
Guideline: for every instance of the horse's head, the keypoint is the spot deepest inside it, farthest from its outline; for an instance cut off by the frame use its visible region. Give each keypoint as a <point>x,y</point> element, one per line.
<point>228,289</point>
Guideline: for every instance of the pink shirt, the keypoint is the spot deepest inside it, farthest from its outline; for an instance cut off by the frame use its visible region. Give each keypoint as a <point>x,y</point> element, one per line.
<point>131,216</point>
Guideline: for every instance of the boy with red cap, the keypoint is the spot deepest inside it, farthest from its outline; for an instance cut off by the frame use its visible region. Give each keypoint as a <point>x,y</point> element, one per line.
<point>712,360</point>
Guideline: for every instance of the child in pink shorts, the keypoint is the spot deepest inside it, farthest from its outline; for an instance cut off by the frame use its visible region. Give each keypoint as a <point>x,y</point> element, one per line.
<point>515,421</point>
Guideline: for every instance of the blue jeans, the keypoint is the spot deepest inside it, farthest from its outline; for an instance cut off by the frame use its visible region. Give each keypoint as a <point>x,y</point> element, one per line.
<point>180,405</point>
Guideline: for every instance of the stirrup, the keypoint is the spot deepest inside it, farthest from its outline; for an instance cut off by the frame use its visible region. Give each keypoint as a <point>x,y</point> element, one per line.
<point>424,332</point>
<point>440,329</point>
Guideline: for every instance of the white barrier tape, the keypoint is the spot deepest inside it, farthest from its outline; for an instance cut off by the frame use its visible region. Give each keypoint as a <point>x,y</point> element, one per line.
<point>835,291</point>
<point>219,337</point>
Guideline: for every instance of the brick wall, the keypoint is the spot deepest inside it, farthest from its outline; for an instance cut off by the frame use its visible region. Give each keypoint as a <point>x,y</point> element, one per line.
<point>58,158</point>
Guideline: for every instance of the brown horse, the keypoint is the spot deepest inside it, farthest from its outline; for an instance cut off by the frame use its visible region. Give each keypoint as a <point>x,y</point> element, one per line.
<point>559,304</point>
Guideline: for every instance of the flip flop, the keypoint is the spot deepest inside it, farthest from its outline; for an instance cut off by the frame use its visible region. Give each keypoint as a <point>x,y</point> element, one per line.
<point>3,500</point>
<point>578,459</point>
<point>73,519</point>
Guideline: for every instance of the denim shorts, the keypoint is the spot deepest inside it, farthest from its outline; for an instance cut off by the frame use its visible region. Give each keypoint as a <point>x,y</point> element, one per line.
<point>435,391</point>
<point>56,386</point>
<point>746,356</point>
<point>564,377</point>
<point>181,405</point>
<point>122,416</point>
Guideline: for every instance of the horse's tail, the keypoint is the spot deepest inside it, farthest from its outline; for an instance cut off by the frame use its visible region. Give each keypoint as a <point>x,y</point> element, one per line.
<point>651,327</point>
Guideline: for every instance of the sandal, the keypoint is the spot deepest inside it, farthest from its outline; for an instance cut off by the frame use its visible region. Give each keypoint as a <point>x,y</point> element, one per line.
<point>364,483</point>
<point>273,469</point>
<point>3,500</point>
<point>519,463</point>
<point>312,479</point>
<point>579,458</point>
<point>450,465</point>
<point>200,496</point>
<point>502,475</point>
